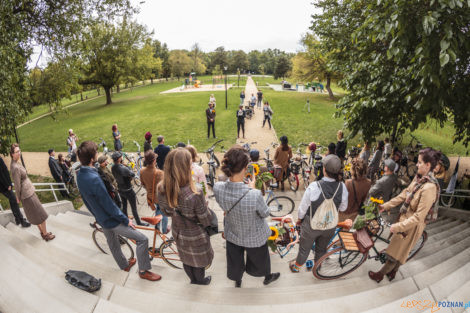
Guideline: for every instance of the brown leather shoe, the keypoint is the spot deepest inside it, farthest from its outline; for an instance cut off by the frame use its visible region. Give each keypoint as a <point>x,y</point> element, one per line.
<point>150,276</point>
<point>377,276</point>
<point>131,264</point>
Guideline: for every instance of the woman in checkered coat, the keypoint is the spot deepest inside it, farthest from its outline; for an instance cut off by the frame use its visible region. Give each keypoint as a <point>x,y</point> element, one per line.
<point>179,199</point>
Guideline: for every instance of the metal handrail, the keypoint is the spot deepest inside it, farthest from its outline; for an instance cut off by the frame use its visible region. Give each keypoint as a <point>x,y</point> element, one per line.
<point>51,185</point>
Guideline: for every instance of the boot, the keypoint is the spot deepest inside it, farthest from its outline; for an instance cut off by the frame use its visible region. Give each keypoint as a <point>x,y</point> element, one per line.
<point>391,275</point>
<point>25,223</point>
<point>377,276</point>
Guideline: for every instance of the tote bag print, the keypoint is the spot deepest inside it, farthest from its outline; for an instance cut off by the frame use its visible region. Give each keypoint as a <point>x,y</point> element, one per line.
<point>326,216</point>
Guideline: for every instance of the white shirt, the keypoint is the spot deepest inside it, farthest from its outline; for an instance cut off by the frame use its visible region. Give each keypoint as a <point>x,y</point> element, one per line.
<point>313,193</point>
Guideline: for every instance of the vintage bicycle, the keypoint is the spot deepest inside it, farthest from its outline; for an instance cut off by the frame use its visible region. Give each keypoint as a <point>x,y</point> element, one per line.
<point>167,251</point>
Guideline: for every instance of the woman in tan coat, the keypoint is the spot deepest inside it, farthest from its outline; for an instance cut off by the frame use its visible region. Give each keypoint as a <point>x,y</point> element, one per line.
<point>25,192</point>
<point>417,201</point>
<point>281,158</point>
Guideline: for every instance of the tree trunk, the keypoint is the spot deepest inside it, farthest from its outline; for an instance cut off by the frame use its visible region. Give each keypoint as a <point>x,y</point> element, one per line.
<point>151,80</point>
<point>394,135</point>
<point>107,90</point>
<point>118,88</point>
<point>98,90</point>
<point>81,96</point>
<point>328,83</point>
<point>143,82</point>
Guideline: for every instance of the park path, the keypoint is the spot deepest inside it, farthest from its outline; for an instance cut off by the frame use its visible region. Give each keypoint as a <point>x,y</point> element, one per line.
<point>254,132</point>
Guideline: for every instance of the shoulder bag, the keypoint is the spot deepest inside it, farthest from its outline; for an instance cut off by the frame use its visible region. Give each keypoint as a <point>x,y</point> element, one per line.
<point>212,229</point>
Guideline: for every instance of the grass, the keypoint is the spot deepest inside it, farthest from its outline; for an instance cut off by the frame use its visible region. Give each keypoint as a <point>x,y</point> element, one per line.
<point>179,116</point>
<point>45,196</point>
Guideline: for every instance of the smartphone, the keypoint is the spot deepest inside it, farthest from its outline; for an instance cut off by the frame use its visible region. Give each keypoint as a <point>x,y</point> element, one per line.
<point>250,171</point>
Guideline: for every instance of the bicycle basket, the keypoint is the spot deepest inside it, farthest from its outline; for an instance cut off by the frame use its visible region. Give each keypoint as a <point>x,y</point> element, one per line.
<point>295,168</point>
<point>373,227</point>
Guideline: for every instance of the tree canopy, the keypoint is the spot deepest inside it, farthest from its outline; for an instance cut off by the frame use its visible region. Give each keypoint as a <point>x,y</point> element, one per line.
<point>402,63</point>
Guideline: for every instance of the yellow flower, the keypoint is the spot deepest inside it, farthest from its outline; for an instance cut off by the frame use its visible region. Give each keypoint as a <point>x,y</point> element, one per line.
<point>359,145</point>
<point>347,167</point>
<point>256,169</point>
<point>376,200</point>
<point>274,233</point>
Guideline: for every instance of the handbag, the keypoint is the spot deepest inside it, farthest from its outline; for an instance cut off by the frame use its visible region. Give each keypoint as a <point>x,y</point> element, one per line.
<point>364,242</point>
<point>212,229</point>
<point>361,210</point>
<point>83,280</point>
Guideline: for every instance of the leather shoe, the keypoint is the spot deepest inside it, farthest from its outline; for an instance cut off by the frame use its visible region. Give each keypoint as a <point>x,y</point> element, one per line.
<point>206,281</point>
<point>25,223</point>
<point>143,224</point>
<point>130,265</point>
<point>149,276</point>
<point>48,236</point>
<point>238,284</point>
<point>272,277</point>
<point>377,276</point>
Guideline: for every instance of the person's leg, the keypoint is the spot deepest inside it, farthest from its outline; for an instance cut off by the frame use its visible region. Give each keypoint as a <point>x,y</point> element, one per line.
<point>115,247</point>
<point>189,271</point>
<point>243,129</point>
<point>199,274</point>
<point>321,242</point>
<point>64,193</point>
<point>124,203</point>
<point>235,261</point>
<point>213,129</point>
<point>258,262</point>
<point>269,122</point>
<point>238,129</point>
<point>306,242</point>
<point>264,121</point>
<point>133,202</point>
<point>141,241</point>
<point>208,129</point>
<point>15,208</point>
<point>163,225</point>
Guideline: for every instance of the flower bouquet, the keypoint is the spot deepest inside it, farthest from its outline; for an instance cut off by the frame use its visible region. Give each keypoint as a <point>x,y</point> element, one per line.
<point>371,211</point>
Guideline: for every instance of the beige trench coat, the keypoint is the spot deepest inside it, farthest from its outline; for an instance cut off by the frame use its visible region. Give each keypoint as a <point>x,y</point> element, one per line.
<point>412,223</point>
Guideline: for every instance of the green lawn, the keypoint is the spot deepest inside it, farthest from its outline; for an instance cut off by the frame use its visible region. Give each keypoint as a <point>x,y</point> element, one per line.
<point>180,117</point>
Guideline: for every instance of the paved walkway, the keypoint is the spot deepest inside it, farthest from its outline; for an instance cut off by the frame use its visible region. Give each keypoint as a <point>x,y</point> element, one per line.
<point>254,132</point>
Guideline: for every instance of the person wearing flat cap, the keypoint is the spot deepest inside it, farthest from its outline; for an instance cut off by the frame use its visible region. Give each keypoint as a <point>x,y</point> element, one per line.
<point>108,179</point>
<point>123,176</point>
<point>329,187</point>
<point>384,186</point>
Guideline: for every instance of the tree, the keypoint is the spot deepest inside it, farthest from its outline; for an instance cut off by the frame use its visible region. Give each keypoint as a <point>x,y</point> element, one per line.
<point>180,63</point>
<point>239,60</point>
<point>402,63</point>
<point>219,57</point>
<point>254,63</point>
<point>162,52</point>
<point>311,64</point>
<point>51,26</point>
<point>197,64</point>
<point>283,65</point>
<point>110,53</point>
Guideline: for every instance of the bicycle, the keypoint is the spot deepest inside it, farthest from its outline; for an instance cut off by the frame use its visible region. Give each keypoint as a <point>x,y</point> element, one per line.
<point>167,251</point>
<point>278,205</point>
<point>344,256</point>
<point>305,167</point>
<point>213,163</point>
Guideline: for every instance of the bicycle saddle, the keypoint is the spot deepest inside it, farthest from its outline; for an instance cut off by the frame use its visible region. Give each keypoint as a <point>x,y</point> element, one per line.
<point>154,220</point>
<point>346,225</point>
<point>279,219</point>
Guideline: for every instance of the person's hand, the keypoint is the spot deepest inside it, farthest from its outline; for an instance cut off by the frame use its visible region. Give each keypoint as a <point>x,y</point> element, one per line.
<point>9,188</point>
<point>61,178</point>
<point>299,221</point>
<point>381,208</point>
<point>251,183</point>
<point>392,228</point>
<point>131,225</point>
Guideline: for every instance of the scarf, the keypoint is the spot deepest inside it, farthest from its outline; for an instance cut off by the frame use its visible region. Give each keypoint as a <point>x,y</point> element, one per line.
<point>420,181</point>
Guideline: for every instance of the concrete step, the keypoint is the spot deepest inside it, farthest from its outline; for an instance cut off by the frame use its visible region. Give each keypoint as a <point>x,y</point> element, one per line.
<point>417,266</point>
<point>442,221</point>
<point>41,257</point>
<point>451,283</point>
<point>104,306</point>
<point>56,286</point>
<point>408,302</point>
<point>444,227</point>
<point>431,247</point>
<point>442,270</point>
<point>358,302</point>
<point>447,233</point>
<point>70,261</point>
<point>461,294</point>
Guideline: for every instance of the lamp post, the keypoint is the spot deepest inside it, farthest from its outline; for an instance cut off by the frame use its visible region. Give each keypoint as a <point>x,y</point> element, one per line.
<point>225,68</point>
<point>238,72</point>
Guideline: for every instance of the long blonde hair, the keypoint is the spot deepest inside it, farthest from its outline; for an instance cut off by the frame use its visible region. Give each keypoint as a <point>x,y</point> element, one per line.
<point>177,174</point>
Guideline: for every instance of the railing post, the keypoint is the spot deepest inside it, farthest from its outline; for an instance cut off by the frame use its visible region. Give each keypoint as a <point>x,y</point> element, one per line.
<point>1,208</point>
<point>53,192</point>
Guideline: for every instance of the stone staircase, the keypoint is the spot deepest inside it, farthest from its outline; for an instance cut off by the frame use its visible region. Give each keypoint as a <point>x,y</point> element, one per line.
<point>32,276</point>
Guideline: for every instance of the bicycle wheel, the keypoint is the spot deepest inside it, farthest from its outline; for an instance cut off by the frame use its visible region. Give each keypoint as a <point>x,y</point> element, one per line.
<point>418,246</point>
<point>293,181</point>
<point>447,200</point>
<point>280,206</point>
<point>169,254</point>
<point>102,244</point>
<point>211,176</point>
<point>337,263</point>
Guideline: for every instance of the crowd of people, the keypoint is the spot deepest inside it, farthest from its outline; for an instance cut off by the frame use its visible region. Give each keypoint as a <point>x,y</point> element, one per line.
<point>176,188</point>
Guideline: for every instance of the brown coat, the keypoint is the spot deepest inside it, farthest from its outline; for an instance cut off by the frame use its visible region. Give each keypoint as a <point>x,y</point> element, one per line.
<point>147,175</point>
<point>282,157</point>
<point>412,223</point>
<point>23,186</point>
<point>362,186</point>
<point>192,241</point>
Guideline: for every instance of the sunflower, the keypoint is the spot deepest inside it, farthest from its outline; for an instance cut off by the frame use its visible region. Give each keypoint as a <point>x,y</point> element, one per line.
<point>347,167</point>
<point>256,169</point>
<point>376,200</point>
<point>274,233</point>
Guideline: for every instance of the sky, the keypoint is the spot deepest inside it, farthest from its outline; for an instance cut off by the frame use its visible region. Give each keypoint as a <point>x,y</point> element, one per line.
<point>237,25</point>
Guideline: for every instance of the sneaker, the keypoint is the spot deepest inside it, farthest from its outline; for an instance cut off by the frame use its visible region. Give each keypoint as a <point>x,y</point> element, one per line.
<point>272,277</point>
<point>149,276</point>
